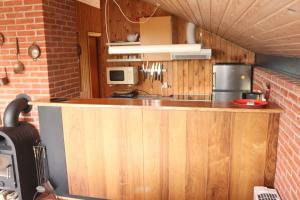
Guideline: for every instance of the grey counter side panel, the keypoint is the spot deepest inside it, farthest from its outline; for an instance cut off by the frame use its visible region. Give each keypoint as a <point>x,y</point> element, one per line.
<point>51,128</point>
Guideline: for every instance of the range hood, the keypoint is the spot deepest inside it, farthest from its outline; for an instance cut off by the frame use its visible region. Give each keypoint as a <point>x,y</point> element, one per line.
<point>139,49</point>
<point>177,51</point>
<point>203,54</point>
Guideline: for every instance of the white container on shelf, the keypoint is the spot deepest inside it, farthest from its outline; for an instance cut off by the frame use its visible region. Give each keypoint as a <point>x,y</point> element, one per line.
<point>190,33</point>
<point>132,37</point>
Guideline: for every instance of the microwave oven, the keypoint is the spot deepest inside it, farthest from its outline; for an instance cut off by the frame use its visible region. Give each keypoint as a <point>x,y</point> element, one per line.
<point>122,75</point>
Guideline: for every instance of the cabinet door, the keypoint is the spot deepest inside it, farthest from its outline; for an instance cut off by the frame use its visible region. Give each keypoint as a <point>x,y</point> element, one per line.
<point>104,152</point>
<point>158,30</point>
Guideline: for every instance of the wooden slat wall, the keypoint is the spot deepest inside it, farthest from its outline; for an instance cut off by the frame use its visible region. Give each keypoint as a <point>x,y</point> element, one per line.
<point>184,77</point>
<point>88,20</point>
<point>145,153</point>
<point>114,154</point>
<point>242,144</point>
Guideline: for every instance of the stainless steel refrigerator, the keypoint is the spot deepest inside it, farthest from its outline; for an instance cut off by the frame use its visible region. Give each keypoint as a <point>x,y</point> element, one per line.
<point>230,81</point>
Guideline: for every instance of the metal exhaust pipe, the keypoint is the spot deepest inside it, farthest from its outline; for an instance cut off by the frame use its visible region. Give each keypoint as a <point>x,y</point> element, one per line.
<point>14,108</point>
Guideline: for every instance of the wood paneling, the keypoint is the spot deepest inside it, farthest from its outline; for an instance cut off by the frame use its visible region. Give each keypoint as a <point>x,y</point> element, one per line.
<point>218,128</point>
<point>272,141</point>
<point>145,153</point>
<point>78,181</point>
<point>154,153</point>
<point>249,144</point>
<point>184,77</point>
<point>88,20</point>
<point>249,23</point>
<point>113,165</point>
<point>197,165</point>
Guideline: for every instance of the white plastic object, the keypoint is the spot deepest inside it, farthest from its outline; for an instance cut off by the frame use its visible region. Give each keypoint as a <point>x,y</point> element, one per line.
<point>202,54</point>
<point>264,193</point>
<point>190,33</point>
<point>132,37</point>
<point>40,189</point>
<point>167,48</point>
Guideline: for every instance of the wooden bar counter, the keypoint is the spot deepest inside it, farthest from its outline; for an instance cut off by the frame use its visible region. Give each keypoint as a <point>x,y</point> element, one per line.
<point>161,149</point>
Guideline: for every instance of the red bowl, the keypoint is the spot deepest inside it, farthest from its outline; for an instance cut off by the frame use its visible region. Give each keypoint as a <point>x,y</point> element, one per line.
<point>250,103</point>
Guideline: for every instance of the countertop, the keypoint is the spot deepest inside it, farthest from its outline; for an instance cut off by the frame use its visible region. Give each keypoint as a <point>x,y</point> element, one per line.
<point>157,103</point>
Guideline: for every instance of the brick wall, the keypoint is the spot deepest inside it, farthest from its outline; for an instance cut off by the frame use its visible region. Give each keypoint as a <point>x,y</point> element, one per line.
<point>61,48</point>
<point>285,91</point>
<point>51,24</point>
<point>22,19</point>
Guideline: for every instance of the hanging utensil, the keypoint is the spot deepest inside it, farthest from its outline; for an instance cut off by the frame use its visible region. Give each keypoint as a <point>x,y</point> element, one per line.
<point>41,164</point>
<point>19,68</point>
<point>147,70</point>
<point>2,39</point>
<point>156,71</point>
<point>144,72</point>
<point>4,80</point>
<point>152,73</point>
<point>160,72</point>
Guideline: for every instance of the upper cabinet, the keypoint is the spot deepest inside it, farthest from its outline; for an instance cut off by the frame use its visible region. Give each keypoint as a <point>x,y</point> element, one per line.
<point>159,42</point>
<point>158,31</point>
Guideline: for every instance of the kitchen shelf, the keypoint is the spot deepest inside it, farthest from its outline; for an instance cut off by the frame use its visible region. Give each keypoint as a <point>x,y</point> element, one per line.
<point>123,43</point>
<point>125,60</point>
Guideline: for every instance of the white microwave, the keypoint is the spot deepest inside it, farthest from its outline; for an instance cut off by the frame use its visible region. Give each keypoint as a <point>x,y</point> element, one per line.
<point>122,75</point>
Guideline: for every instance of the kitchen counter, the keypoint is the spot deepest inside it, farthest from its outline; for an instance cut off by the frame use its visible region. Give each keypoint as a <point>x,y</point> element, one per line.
<point>158,103</point>
<point>149,148</point>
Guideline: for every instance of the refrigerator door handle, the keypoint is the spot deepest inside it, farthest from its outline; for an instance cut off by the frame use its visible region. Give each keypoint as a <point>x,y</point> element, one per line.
<point>214,80</point>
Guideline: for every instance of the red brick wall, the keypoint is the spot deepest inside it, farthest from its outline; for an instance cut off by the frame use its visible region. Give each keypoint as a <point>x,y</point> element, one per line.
<point>22,19</point>
<point>61,47</point>
<point>50,23</point>
<point>285,91</point>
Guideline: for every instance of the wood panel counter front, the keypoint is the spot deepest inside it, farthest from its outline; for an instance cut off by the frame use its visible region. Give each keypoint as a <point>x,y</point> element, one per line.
<point>131,149</point>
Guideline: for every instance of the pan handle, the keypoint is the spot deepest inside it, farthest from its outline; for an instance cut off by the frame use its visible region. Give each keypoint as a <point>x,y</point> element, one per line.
<point>17,46</point>
<point>214,80</point>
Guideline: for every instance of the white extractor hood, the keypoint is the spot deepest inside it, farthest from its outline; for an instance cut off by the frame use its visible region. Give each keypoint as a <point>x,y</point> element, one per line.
<point>176,51</point>
<point>203,54</point>
<point>139,49</point>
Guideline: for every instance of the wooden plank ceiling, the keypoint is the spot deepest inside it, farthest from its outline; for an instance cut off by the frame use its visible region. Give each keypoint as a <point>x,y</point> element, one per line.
<point>93,3</point>
<point>263,26</point>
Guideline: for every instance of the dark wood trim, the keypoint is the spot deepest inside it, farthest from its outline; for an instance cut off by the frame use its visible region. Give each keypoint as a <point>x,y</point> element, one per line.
<point>271,155</point>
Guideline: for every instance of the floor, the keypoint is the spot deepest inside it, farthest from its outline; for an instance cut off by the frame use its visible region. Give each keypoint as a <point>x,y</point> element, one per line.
<point>46,197</point>
<point>50,197</point>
